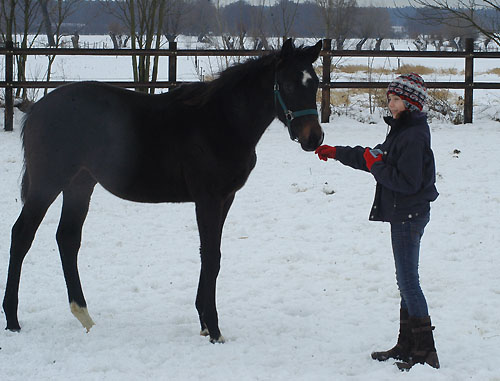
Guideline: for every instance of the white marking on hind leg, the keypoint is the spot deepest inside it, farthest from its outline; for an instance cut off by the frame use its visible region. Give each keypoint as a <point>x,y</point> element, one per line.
<point>82,315</point>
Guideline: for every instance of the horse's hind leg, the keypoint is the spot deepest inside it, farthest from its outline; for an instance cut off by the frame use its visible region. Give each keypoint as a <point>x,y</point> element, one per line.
<point>76,199</point>
<point>211,216</point>
<point>23,233</point>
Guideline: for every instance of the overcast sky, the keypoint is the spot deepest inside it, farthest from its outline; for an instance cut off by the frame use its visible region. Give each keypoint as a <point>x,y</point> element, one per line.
<point>386,3</point>
<point>382,3</point>
<point>377,3</point>
<point>399,3</point>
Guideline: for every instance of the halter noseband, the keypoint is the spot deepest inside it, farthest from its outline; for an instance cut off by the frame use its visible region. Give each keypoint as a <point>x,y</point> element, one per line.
<point>289,114</point>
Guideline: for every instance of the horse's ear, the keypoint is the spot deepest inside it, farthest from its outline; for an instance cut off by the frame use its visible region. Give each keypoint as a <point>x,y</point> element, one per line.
<point>313,51</point>
<point>287,49</point>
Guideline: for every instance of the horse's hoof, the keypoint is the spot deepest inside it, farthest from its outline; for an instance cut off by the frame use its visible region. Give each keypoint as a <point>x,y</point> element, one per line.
<point>204,332</point>
<point>404,366</point>
<point>13,329</point>
<point>220,340</point>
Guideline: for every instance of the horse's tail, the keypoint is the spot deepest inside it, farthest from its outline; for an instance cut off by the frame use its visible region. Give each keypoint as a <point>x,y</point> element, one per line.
<point>25,185</point>
<point>25,182</point>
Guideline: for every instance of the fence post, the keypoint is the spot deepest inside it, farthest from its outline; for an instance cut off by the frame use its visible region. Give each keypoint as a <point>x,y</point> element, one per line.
<point>325,91</point>
<point>9,75</point>
<point>172,62</point>
<point>469,80</point>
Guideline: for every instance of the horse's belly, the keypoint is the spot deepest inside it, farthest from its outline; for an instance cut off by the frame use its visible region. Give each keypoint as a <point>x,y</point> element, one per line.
<point>149,194</point>
<point>148,185</point>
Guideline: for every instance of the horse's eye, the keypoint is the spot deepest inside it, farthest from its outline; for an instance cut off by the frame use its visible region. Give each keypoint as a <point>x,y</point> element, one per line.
<point>288,87</point>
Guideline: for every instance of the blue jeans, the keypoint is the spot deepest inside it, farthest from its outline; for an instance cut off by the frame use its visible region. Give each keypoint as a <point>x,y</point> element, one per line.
<point>405,238</point>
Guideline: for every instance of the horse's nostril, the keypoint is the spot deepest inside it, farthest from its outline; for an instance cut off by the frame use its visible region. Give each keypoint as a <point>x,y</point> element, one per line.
<point>316,140</point>
<point>313,142</point>
<point>321,139</point>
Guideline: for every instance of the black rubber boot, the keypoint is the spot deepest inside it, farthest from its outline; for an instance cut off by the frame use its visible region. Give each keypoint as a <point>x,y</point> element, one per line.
<point>423,350</point>
<point>401,350</point>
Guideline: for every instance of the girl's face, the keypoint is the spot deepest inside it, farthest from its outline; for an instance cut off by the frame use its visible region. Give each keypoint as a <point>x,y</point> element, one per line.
<point>396,105</point>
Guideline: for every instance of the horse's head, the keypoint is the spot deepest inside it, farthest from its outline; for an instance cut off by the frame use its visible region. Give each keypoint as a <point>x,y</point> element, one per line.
<point>295,88</point>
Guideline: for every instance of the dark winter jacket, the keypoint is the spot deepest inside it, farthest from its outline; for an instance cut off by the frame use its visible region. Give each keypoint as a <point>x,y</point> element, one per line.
<point>406,175</point>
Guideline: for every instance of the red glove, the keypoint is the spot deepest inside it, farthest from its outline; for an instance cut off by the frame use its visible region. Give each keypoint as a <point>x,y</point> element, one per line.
<point>370,159</point>
<point>326,152</point>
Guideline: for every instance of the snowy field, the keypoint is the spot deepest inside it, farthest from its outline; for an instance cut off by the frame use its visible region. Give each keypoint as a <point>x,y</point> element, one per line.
<point>307,288</point>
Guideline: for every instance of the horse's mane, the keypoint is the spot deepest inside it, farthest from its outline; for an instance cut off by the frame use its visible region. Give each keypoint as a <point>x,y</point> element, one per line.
<point>200,93</point>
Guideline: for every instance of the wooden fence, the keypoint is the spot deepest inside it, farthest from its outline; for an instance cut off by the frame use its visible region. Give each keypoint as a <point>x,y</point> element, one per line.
<point>9,51</point>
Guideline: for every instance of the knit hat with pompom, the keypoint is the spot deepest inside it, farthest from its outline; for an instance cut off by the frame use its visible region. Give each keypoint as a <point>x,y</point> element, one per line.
<point>411,89</point>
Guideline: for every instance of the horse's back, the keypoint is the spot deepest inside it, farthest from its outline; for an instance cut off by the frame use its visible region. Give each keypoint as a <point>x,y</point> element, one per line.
<point>113,133</point>
<point>81,105</point>
<point>76,118</point>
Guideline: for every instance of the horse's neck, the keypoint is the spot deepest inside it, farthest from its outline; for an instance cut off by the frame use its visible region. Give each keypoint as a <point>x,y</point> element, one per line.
<point>255,108</point>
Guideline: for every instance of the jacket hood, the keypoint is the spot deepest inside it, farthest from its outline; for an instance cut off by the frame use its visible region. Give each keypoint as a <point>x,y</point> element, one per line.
<point>408,119</point>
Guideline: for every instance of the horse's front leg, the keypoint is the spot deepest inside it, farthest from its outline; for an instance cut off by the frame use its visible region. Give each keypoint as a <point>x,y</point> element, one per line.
<point>210,215</point>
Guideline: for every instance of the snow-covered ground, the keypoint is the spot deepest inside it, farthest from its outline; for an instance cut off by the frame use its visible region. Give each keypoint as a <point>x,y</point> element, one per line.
<point>307,286</point>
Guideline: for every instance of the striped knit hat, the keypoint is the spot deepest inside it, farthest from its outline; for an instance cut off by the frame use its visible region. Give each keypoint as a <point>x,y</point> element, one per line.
<point>411,89</point>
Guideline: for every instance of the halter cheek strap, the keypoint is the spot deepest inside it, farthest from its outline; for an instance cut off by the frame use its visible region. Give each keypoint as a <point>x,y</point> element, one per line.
<point>289,114</point>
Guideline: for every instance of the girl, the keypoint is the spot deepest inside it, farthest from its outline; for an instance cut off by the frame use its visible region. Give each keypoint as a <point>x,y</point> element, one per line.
<point>403,166</point>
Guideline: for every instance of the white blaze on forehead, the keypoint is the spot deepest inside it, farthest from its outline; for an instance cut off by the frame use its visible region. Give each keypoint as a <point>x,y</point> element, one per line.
<point>305,77</point>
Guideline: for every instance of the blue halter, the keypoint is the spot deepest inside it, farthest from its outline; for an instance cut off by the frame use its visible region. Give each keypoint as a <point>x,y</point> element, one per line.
<point>289,114</point>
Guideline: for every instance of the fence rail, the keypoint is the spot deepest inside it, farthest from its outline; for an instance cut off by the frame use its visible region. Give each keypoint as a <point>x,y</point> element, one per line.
<point>9,51</point>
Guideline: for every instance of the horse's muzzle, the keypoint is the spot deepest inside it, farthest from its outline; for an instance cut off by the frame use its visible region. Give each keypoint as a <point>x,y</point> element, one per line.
<point>313,139</point>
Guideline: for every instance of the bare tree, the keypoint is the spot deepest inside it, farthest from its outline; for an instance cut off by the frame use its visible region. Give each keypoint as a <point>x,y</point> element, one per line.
<point>176,13</point>
<point>59,11</point>
<point>47,22</point>
<point>283,15</point>
<point>75,40</point>
<point>365,28</point>
<point>469,16</point>
<point>229,33</point>
<point>338,18</point>
<point>8,19</point>
<point>238,19</point>
<point>201,18</point>
<point>29,10</point>
<point>144,20</point>
<point>19,16</point>
<point>258,26</point>
<point>222,30</point>
<point>456,32</point>
<point>117,33</point>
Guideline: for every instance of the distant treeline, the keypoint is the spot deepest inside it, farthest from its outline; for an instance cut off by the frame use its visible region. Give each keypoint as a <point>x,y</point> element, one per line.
<point>205,17</point>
